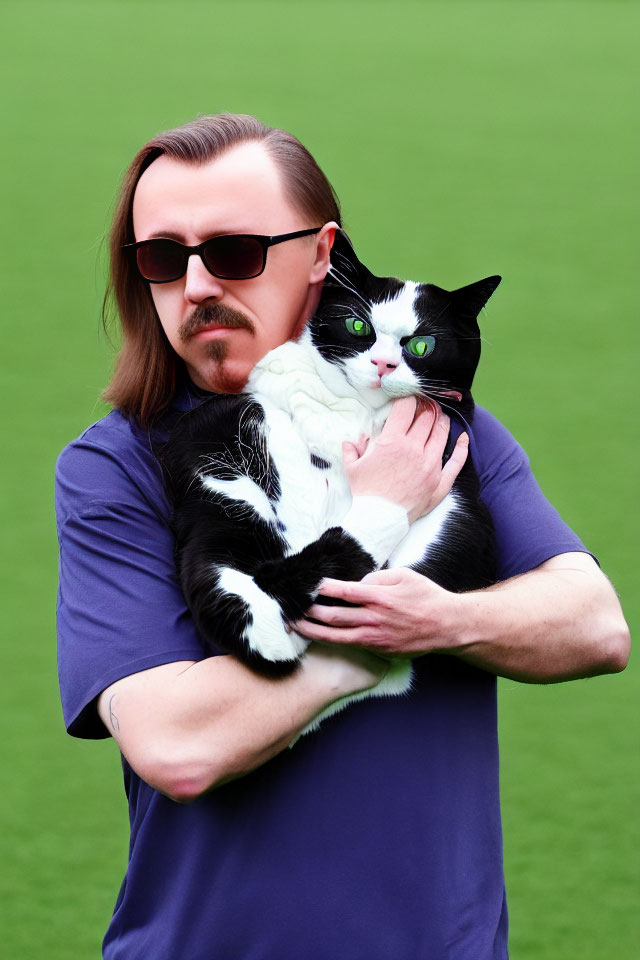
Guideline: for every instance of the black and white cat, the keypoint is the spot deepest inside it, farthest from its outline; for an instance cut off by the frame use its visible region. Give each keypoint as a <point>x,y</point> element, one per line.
<point>263,511</point>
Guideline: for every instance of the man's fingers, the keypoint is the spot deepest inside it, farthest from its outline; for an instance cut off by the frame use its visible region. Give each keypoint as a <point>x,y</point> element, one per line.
<point>401,417</point>
<point>362,443</point>
<point>324,633</point>
<point>437,439</point>
<point>341,616</point>
<point>385,578</point>
<point>350,453</point>
<point>423,425</point>
<point>454,464</point>
<point>349,590</point>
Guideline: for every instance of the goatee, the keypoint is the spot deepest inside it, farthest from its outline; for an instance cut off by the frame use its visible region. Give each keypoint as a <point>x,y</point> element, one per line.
<point>214,315</point>
<point>217,315</point>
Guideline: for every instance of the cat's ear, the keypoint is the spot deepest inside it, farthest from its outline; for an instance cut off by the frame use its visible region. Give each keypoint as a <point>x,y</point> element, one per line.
<point>471,299</point>
<point>343,257</point>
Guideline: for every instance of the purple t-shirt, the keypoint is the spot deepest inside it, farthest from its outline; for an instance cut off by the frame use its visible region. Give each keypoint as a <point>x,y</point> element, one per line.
<point>376,837</point>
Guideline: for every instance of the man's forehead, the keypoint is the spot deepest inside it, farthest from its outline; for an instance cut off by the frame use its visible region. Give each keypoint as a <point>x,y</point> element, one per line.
<point>238,192</point>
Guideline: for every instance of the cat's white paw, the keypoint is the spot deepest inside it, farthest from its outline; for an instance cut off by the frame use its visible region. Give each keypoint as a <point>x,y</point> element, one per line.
<point>271,640</point>
<point>266,635</point>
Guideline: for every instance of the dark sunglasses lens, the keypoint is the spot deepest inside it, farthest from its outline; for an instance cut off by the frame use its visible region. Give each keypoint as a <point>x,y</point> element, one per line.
<point>234,258</point>
<point>161,261</point>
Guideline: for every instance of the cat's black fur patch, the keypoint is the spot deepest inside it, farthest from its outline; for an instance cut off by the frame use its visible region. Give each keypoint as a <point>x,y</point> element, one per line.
<point>319,462</point>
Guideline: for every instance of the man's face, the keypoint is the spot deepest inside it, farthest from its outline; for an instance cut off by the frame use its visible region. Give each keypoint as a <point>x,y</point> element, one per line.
<point>240,192</point>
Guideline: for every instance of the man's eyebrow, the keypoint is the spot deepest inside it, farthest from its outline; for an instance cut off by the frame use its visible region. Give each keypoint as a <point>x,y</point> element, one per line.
<point>166,234</point>
<point>173,235</point>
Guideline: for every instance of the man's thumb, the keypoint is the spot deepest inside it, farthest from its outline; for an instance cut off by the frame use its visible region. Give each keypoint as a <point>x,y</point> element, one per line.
<point>349,453</point>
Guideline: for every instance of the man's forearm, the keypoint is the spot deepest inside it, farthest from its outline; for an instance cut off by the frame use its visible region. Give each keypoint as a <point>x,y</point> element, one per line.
<point>559,622</point>
<point>187,727</point>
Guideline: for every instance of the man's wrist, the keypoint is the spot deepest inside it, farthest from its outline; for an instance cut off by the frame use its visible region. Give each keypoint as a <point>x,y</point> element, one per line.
<point>460,619</point>
<point>335,672</point>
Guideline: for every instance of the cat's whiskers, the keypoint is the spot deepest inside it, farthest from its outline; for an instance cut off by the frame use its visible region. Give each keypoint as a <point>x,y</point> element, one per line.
<point>342,281</point>
<point>352,315</point>
<point>441,393</point>
<point>433,384</point>
<point>258,450</point>
<point>253,458</point>
<point>447,406</point>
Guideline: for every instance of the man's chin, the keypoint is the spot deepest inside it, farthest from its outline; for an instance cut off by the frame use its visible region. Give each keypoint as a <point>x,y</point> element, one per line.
<point>221,376</point>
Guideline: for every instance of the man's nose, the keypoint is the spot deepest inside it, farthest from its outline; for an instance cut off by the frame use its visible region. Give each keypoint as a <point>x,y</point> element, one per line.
<point>199,284</point>
<point>384,365</point>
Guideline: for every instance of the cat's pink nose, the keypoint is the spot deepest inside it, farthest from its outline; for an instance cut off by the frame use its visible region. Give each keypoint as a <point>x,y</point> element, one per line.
<point>384,366</point>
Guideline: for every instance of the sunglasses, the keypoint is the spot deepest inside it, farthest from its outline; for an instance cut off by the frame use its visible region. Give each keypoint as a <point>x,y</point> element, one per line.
<point>239,256</point>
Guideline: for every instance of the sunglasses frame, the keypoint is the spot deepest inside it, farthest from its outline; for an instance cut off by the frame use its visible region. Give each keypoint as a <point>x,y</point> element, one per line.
<point>265,242</point>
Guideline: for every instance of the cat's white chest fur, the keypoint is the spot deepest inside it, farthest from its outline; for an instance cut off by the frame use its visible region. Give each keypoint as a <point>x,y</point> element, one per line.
<point>322,406</point>
<point>304,490</point>
<point>305,417</point>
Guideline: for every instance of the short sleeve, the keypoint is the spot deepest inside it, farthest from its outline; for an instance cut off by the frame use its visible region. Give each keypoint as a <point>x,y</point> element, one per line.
<point>120,608</point>
<point>528,529</point>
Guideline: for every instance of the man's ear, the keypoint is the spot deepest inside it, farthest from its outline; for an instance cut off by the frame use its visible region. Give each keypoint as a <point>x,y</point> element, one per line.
<point>324,242</point>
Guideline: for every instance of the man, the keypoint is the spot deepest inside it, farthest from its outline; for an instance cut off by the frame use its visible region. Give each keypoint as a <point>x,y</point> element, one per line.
<point>379,836</point>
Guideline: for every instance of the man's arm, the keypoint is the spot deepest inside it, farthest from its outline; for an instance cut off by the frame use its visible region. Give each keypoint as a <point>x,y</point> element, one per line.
<point>189,726</point>
<point>561,621</point>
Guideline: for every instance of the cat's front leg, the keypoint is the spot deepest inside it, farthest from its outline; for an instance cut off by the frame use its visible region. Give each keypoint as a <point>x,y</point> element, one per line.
<point>268,643</point>
<point>378,525</point>
<point>232,613</point>
<point>221,543</point>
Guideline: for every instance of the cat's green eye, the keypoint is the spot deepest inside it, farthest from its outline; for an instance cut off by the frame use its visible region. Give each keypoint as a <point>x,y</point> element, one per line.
<point>359,328</point>
<point>420,346</point>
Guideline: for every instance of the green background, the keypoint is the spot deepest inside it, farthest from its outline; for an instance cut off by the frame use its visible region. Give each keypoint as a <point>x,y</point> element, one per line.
<point>464,139</point>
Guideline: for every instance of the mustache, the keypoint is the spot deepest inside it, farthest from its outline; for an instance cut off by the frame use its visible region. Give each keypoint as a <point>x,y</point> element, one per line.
<point>215,314</point>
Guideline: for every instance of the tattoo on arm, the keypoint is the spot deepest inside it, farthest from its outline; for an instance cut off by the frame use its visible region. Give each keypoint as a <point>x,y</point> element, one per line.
<point>115,723</point>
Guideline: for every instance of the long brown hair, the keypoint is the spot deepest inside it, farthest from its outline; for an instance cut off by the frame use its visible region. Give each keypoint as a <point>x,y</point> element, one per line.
<point>144,379</point>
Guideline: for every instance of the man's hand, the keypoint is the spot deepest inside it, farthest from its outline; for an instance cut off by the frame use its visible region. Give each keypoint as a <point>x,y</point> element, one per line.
<point>400,613</point>
<point>404,464</point>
